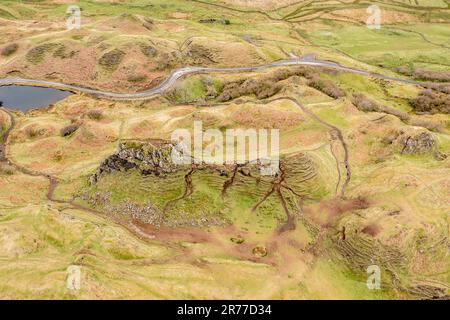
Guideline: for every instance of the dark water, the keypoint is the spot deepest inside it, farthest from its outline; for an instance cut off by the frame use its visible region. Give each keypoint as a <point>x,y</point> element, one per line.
<point>25,98</point>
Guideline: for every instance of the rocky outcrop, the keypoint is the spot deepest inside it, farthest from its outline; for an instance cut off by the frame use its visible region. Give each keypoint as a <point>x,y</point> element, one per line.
<point>147,157</point>
<point>160,157</point>
<point>414,141</point>
<point>419,142</point>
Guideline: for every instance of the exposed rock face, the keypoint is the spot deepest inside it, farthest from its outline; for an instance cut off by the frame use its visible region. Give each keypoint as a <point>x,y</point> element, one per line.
<point>148,158</point>
<point>414,141</point>
<point>420,143</point>
<point>157,157</point>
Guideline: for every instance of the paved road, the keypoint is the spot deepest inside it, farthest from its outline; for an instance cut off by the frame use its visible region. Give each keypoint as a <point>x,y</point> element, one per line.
<point>166,84</point>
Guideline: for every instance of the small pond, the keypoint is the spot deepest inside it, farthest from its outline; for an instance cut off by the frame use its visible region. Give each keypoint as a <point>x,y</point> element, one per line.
<point>25,98</point>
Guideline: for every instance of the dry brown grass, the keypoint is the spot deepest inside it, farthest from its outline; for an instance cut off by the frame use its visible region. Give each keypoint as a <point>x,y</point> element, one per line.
<point>6,169</point>
<point>9,49</point>
<point>360,15</point>
<point>371,229</point>
<point>91,135</point>
<point>425,75</point>
<point>95,114</point>
<point>3,120</point>
<point>68,130</point>
<point>431,101</point>
<point>326,86</point>
<point>260,4</point>
<point>327,212</point>
<point>263,117</point>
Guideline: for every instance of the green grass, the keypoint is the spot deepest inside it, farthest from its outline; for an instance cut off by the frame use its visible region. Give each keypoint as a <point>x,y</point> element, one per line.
<point>388,46</point>
<point>334,117</point>
<point>3,128</point>
<point>41,240</point>
<point>242,197</point>
<point>354,84</point>
<point>122,253</point>
<point>189,90</point>
<point>341,281</point>
<point>132,186</point>
<point>206,201</point>
<point>158,9</point>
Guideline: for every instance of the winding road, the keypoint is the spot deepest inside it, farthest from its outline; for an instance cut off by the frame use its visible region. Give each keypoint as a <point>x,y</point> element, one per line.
<point>178,73</point>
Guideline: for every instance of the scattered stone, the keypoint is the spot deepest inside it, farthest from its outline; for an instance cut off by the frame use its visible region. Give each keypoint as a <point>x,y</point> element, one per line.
<point>259,251</point>
<point>238,239</point>
<point>213,20</point>
<point>147,213</point>
<point>100,198</point>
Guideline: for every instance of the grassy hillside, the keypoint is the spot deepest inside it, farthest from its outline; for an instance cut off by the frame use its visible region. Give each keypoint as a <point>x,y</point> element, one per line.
<point>364,175</point>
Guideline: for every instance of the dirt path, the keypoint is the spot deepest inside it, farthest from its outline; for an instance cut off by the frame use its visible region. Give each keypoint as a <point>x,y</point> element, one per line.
<point>338,134</point>
<point>334,130</point>
<point>6,135</point>
<point>290,223</point>
<point>227,184</point>
<point>337,167</point>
